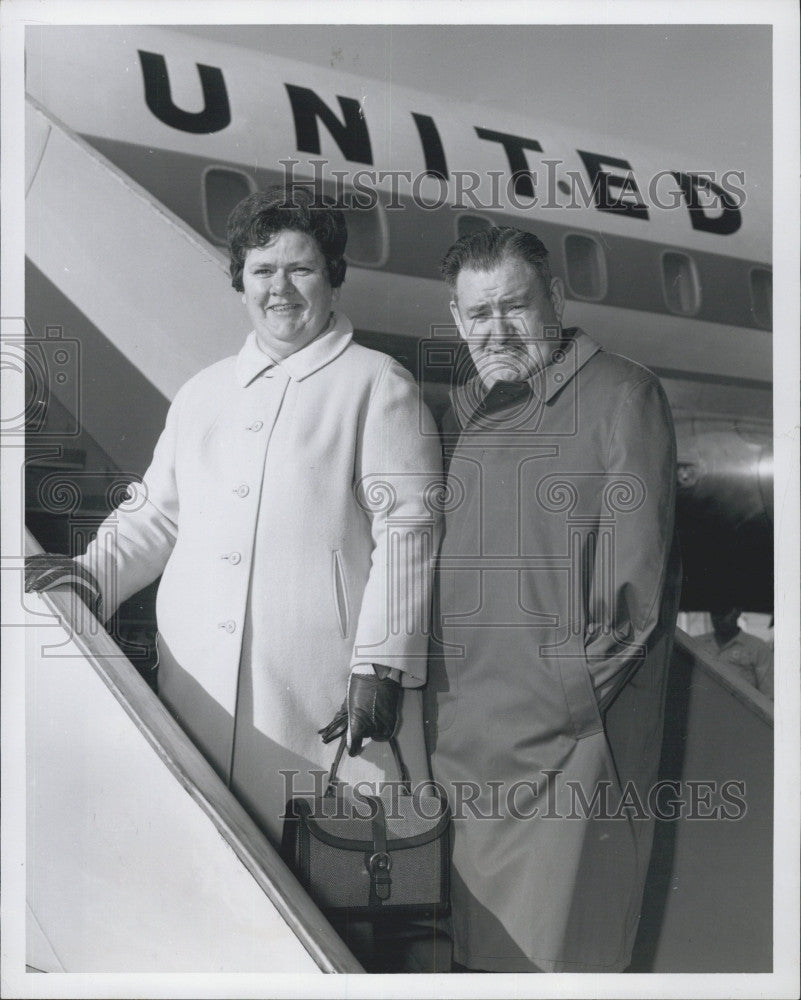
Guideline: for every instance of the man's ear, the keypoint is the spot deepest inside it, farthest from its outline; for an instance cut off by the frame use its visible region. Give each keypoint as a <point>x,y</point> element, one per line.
<point>557,293</point>
<point>457,319</point>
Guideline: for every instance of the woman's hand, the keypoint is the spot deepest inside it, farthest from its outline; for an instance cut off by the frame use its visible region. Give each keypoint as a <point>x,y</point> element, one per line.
<point>370,711</point>
<point>45,571</point>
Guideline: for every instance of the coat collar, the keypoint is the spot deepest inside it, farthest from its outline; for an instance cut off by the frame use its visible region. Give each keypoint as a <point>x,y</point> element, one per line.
<point>558,372</point>
<point>252,360</point>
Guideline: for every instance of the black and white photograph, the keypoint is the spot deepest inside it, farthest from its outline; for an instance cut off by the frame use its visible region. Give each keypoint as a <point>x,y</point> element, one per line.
<point>400,497</point>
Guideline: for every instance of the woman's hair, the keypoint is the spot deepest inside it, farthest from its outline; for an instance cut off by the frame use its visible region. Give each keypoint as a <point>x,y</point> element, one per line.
<point>260,217</point>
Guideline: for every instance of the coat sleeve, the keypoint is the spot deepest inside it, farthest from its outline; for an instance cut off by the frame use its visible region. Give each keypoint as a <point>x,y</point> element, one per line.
<point>133,544</point>
<point>635,559</point>
<point>398,484</point>
<point>764,670</point>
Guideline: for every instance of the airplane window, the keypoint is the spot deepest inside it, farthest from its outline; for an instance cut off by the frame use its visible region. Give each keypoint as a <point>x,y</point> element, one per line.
<point>586,267</point>
<point>223,189</point>
<point>467,224</point>
<point>762,296</point>
<point>680,284</point>
<point>368,237</point>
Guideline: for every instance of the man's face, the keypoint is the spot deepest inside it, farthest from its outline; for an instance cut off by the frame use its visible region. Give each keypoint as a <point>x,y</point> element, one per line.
<point>724,621</point>
<point>287,293</point>
<point>502,314</point>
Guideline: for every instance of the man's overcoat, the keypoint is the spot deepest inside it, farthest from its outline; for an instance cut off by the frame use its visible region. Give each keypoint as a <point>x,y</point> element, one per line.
<point>291,510</point>
<point>558,590</point>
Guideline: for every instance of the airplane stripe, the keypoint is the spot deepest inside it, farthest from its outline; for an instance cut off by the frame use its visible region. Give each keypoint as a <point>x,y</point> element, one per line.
<point>418,238</point>
<point>633,265</point>
<point>727,380</point>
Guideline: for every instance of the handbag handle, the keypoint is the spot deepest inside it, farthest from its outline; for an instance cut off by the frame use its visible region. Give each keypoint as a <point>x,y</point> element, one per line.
<point>333,780</point>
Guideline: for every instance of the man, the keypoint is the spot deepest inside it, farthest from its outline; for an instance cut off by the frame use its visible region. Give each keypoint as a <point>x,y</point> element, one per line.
<point>748,655</point>
<point>558,593</point>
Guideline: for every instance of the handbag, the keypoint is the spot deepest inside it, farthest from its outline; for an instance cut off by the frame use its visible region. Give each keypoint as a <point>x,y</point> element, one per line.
<point>370,856</point>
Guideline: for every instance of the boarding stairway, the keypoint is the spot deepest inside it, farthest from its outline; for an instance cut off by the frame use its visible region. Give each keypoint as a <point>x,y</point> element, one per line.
<point>139,858</point>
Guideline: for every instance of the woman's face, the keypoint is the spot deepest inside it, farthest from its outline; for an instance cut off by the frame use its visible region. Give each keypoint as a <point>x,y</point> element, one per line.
<point>287,293</point>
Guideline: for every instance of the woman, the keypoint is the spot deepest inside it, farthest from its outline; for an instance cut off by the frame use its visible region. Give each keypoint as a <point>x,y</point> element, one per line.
<point>278,489</point>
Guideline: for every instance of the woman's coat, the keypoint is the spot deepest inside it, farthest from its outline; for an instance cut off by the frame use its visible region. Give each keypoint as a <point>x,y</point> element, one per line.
<point>291,508</point>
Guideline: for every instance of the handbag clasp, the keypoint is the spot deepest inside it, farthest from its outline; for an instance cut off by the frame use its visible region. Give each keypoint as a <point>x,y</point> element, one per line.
<point>379,865</point>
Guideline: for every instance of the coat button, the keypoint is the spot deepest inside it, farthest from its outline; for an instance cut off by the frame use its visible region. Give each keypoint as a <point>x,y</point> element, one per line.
<point>242,491</point>
<point>234,558</point>
<point>229,626</point>
<point>256,425</point>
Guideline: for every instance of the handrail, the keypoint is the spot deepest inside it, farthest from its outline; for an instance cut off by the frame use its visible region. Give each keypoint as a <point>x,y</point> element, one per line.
<point>727,678</point>
<point>202,783</point>
<point>184,230</point>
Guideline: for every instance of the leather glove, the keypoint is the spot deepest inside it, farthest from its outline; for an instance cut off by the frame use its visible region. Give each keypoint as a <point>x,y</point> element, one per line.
<point>337,726</point>
<point>370,710</point>
<point>45,571</point>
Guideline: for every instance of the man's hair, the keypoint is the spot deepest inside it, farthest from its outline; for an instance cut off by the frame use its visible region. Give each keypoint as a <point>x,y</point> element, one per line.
<point>260,217</point>
<point>487,248</point>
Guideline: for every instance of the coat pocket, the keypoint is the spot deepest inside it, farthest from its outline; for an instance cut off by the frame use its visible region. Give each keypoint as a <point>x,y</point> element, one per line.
<point>579,694</point>
<point>340,590</point>
<point>154,669</point>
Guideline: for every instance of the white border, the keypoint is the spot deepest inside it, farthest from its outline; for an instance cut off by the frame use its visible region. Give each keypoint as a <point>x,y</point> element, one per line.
<point>783,15</point>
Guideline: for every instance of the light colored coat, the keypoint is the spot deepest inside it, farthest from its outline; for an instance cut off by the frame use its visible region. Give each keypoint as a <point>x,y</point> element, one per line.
<point>559,581</point>
<point>292,510</point>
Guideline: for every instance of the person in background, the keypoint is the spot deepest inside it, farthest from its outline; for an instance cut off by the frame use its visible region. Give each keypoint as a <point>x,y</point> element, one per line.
<point>749,655</point>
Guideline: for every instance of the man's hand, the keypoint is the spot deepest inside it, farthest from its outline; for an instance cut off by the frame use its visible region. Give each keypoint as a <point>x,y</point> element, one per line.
<point>45,571</point>
<point>370,711</point>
